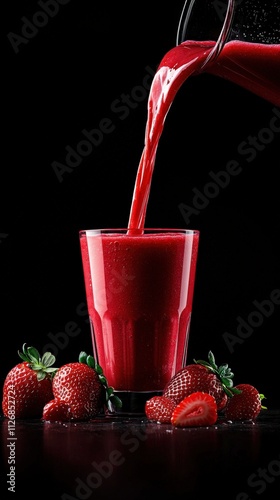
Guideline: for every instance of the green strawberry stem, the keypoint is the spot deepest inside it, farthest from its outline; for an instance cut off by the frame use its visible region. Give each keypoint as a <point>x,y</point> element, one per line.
<point>112,401</point>
<point>261,398</point>
<point>223,372</point>
<point>42,365</point>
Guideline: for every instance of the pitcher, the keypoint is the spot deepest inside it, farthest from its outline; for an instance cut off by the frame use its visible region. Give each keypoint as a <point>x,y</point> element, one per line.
<point>247,41</point>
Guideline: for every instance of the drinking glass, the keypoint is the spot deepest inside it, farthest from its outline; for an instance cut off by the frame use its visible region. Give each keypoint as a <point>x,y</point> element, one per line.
<point>139,288</point>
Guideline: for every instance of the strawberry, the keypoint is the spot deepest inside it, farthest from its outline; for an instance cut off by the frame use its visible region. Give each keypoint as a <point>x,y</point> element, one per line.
<point>245,405</point>
<point>56,411</point>
<point>28,385</point>
<point>159,409</point>
<point>197,409</point>
<point>82,387</point>
<point>202,376</point>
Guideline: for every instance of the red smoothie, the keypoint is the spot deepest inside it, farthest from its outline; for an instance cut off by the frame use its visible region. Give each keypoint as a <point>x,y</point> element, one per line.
<point>139,286</point>
<point>139,293</point>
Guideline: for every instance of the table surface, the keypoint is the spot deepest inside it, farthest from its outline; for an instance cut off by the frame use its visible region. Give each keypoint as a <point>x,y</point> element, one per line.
<point>131,458</point>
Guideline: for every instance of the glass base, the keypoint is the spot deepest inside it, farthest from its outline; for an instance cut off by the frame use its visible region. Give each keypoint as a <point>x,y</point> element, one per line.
<point>133,403</point>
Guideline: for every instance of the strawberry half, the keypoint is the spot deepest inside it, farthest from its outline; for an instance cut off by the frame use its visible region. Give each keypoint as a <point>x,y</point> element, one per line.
<point>197,409</point>
<point>159,409</point>
<point>246,405</point>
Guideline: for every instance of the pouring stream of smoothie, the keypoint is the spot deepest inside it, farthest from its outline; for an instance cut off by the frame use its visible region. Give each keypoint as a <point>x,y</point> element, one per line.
<point>253,66</point>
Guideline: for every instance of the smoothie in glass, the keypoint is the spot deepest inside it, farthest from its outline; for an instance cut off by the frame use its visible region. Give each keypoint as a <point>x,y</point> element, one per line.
<point>139,292</point>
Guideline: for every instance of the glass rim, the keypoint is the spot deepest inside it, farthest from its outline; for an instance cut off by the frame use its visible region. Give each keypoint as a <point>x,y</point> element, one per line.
<point>138,232</point>
<point>244,20</point>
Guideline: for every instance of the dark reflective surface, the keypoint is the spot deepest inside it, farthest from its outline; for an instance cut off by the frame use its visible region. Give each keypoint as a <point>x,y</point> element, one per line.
<point>136,459</point>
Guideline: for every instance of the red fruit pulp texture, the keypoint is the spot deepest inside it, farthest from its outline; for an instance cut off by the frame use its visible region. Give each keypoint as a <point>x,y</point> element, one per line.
<point>136,304</point>
<point>197,409</point>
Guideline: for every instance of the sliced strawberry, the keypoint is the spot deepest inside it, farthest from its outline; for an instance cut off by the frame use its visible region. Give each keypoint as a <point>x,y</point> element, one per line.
<point>197,409</point>
<point>159,409</point>
<point>246,405</point>
<point>56,411</point>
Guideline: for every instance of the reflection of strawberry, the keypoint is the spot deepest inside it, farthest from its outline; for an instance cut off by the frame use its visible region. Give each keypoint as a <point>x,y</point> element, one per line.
<point>80,391</point>
<point>159,409</point>
<point>246,405</point>
<point>203,376</point>
<point>197,409</point>
<point>28,385</point>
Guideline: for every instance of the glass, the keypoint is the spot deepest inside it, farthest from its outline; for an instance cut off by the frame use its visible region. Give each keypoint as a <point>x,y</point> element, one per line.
<point>244,38</point>
<point>247,20</point>
<point>139,289</point>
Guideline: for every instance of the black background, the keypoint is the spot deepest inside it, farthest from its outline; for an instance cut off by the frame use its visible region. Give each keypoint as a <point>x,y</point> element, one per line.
<point>66,79</point>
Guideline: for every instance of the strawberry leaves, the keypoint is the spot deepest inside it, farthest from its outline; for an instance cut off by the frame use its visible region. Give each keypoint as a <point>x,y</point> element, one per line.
<point>223,372</point>
<point>112,401</point>
<point>262,396</point>
<point>41,365</point>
